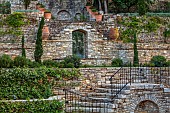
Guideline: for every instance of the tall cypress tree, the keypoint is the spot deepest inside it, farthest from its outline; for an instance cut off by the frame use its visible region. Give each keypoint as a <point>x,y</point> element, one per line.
<point>23,49</point>
<point>38,45</point>
<point>135,58</point>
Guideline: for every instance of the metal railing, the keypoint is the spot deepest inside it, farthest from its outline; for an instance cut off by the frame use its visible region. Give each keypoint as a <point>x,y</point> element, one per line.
<point>103,101</point>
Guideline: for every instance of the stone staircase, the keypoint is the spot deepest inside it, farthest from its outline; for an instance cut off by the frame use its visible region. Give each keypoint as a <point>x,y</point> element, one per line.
<point>112,94</point>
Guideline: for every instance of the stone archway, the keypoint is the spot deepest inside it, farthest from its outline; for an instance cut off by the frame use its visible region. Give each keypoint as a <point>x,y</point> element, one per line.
<point>147,106</point>
<point>79,45</point>
<point>137,101</point>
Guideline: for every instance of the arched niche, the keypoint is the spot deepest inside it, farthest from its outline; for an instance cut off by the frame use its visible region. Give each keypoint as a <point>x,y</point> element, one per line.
<point>63,15</point>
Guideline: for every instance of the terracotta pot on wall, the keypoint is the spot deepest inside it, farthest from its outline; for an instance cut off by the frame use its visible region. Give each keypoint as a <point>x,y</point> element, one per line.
<point>119,18</point>
<point>88,8</point>
<point>98,17</point>
<point>38,6</point>
<point>45,33</point>
<point>94,13</point>
<point>47,15</point>
<point>113,33</point>
<point>42,9</point>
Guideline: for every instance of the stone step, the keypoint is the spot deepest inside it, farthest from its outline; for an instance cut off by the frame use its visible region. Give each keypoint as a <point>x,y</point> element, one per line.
<point>92,103</point>
<point>101,95</point>
<point>115,86</point>
<point>88,110</point>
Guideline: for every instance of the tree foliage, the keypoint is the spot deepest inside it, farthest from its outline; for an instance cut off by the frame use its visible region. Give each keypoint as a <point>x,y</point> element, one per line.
<point>23,49</point>
<point>38,47</point>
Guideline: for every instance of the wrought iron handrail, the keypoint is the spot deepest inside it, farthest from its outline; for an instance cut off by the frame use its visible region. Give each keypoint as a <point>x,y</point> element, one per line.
<point>120,87</point>
<point>76,95</point>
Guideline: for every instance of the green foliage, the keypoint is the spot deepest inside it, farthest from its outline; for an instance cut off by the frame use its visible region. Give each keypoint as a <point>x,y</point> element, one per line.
<point>39,106</point>
<point>135,58</point>
<point>5,61</point>
<point>158,61</point>
<point>72,59</point>
<point>23,49</point>
<point>14,22</point>
<point>50,63</point>
<point>120,6</point>
<point>21,61</point>
<point>88,4</point>
<point>34,64</point>
<point>117,62</point>
<point>26,3</point>
<point>142,7</point>
<point>38,47</point>
<point>22,83</point>
<point>5,8</point>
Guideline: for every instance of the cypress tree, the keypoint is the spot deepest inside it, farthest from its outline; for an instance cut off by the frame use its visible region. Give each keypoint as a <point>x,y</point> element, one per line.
<point>135,58</point>
<point>38,45</point>
<point>23,49</point>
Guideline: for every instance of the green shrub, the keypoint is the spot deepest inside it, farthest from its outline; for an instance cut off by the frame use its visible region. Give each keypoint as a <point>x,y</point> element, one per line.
<point>20,61</point>
<point>117,62</point>
<point>50,63</point>
<point>168,63</point>
<point>5,61</point>
<point>75,60</point>
<point>158,61</point>
<point>53,106</point>
<point>21,83</point>
<point>34,64</point>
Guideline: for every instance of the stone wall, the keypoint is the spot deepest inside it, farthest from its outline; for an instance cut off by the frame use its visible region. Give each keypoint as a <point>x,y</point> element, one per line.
<point>102,52</point>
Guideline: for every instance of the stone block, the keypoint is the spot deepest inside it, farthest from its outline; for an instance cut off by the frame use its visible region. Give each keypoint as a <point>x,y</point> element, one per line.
<point>166,90</point>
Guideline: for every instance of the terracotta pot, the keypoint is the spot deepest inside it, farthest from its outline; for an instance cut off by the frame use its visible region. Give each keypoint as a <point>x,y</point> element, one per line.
<point>38,6</point>
<point>47,15</point>
<point>88,8</point>
<point>94,13</point>
<point>90,11</point>
<point>42,9</point>
<point>45,33</point>
<point>119,18</point>
<point>98,17</point>
<point>113,33</point>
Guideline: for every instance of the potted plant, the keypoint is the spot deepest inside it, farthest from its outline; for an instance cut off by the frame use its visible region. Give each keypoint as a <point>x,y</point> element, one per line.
<point>88,5</point>
<point>42,8</point>
<point>38,5</point>
<point>98,17</point>
<point>94,12</point>
<point>47,14</point>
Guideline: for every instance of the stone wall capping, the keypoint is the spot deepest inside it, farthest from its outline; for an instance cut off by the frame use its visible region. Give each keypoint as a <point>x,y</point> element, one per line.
<point>57,40</point>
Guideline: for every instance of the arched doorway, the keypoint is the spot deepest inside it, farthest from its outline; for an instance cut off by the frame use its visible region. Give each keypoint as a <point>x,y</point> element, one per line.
<point>147,106</point>
<point>79,46</point>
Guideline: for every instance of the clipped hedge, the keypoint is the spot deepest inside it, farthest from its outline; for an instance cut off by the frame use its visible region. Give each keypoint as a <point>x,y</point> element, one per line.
<point>53,106</point>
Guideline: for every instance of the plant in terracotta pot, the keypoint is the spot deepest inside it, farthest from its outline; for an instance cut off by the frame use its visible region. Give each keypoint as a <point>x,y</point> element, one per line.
<point>88,5</point>
<point>42,8</point>
<point>98,17</point>
<point>47,14</point>
<point>94,12</point>
<point>38,5</point>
